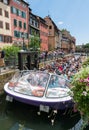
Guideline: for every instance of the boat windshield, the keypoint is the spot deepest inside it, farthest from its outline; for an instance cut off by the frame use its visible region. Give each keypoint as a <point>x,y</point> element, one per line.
<point>58,87</point>
<point>39,84</point>
<point>32,83</point>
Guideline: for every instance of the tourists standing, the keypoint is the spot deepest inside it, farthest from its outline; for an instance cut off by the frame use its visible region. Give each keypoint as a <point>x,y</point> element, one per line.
<point>2,55</point>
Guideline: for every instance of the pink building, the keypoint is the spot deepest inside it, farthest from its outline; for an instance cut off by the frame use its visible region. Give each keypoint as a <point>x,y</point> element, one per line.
<point>19,21</point>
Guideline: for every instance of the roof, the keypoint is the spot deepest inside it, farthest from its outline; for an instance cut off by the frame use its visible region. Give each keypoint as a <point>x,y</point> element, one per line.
<point>26,1</point>
<point>53,23</point>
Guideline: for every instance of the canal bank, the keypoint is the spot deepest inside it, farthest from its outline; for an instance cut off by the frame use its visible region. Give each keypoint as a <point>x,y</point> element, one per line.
<point>5,76</point>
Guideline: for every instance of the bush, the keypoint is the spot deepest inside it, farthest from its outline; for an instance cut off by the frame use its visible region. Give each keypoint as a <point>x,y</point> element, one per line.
<point>81,93</point>
<point>11,52</point>
<point>86,62</point>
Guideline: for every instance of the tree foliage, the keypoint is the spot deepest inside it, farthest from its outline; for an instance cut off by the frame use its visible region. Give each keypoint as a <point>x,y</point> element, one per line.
<point>34,43</point>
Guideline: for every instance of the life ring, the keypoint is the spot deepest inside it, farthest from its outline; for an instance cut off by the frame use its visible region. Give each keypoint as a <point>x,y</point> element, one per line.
<point>38,92</point>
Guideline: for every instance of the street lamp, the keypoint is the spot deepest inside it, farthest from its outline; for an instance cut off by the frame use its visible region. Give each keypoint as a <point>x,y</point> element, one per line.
<point>23,46</point>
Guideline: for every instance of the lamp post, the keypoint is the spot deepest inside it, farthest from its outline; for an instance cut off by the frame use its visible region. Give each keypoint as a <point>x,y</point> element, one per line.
<point>23,45</point>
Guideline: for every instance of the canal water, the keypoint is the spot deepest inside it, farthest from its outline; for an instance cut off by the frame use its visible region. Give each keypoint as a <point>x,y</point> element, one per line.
<point>18,116</point>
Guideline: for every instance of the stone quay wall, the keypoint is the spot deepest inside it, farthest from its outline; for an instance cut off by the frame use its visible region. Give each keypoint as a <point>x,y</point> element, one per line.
<point>4,78</point>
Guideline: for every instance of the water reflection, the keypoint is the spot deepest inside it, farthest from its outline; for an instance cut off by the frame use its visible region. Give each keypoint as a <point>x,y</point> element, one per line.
<point>19,116</point>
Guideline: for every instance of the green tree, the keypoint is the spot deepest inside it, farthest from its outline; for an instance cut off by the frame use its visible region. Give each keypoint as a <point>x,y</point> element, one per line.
<point>34,43</point>
<point>86,45</point>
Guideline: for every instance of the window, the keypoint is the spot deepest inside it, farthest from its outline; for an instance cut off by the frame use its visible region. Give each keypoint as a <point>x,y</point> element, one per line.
<point>18,34</point>
<point>15,22</point>
<point>7,26</point>
<point>50,27</point>
<point>1,38</point>
<point>24,25</point>
<point>0,11</point>
<point>6,14</point>
<point>20,24</point>
<point>9,39</point>
<point>24,5</point>
<point>17,1</point>
<point>5,38</point>
<point>23,14</point>
<point>1,24</point>
<point>15,33</point>
<point>30,20</point>
<point>36,24</point>
<point>19,12</point>
<point>5,2</point>
<point>13,10</point>
<point>26,35</point>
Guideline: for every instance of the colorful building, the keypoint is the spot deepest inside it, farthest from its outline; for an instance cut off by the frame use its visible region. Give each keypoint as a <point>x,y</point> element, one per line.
<point>19,21</point>
<point>53,34</point>
<point>5,23</point>
<point>18,24</point>
<point>43,34</point>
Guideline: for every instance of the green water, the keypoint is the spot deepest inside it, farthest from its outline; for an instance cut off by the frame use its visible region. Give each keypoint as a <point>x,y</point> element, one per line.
<point>19,116</point>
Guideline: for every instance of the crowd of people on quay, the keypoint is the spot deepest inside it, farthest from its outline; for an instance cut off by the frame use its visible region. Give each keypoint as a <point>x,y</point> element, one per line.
<point>45,55</point>
<point>66,66</point>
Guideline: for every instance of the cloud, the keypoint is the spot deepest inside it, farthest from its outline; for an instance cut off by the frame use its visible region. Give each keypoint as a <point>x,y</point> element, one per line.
<point>60,22</point>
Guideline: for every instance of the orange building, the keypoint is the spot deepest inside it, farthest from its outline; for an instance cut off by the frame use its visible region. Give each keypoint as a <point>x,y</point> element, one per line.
<point>43,34</point>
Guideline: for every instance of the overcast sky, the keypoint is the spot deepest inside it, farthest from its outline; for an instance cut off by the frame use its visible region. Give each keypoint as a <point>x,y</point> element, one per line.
<point>72,15</point>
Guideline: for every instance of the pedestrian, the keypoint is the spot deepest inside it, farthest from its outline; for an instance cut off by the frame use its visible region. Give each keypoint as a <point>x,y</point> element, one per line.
<point>46,53</point>
<point>2,55</point>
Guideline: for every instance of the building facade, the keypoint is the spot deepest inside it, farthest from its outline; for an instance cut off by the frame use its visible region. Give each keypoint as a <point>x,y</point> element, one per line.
<point>53,34</point>
<point>67,41</point>
<point>43,34</point>
<point>18,25</point>
<point>34,25</point>
<point>19,21</point>
<point>34,31</point>
<point>5,23</point>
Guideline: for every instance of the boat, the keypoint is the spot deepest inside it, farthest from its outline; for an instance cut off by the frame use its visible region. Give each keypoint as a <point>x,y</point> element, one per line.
<point>39,88</point>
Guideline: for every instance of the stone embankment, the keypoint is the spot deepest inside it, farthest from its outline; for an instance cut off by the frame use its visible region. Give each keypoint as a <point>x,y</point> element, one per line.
<point>4,78</point>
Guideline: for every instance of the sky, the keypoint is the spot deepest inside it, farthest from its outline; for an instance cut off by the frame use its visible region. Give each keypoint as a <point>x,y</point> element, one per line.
<point>72,15</point>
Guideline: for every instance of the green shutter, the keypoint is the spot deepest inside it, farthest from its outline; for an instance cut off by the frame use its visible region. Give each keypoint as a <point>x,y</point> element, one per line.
<point>17,12</point>
<point>20,24</point>
<point>24,25</point>
<point>15,22</point>
<point>11,9</point>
